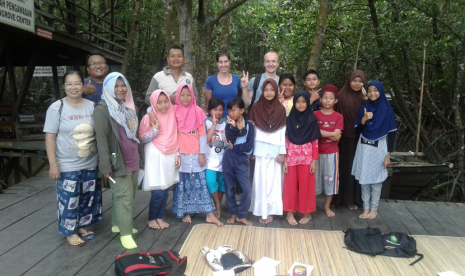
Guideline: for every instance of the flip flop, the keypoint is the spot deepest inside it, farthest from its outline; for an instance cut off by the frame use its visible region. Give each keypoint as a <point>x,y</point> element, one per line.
<point>88,235</point>
<point>78,245</point>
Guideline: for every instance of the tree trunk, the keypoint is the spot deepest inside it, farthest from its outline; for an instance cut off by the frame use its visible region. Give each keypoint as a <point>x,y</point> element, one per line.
<point>224,42</point>
<point>404,108</point>
<point>132,31</point>
<point>318,41</point>
<point>186,33</point>
<point>171,27</point>
<point>456,108</point>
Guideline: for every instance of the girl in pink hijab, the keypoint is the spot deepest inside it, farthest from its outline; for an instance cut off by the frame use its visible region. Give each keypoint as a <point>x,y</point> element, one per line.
<point>191,194</point>
<point>162,159</point>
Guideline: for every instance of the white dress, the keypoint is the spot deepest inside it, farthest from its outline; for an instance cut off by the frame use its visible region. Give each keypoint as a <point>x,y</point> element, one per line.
<point>267,196</point>
<point>368,162</point>
<point>160,169</point>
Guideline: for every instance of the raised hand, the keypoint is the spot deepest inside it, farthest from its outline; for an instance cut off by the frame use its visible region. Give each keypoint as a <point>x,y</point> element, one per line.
<point>156,124</point>
<point>245,79</point>
<point>367,116</point>
<point>280,95</point>
<point>89,89</point>
<point>364,92</point>
<point>230,121</point>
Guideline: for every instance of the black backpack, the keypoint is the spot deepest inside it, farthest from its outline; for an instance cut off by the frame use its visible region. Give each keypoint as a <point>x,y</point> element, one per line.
<point>371,241</point>
<point>148,264</point>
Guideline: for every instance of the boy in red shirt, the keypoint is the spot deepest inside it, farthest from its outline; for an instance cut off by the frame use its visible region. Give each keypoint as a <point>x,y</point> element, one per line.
<point>331,124</point>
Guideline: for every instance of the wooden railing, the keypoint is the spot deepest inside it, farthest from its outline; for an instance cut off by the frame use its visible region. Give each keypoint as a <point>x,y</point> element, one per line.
<point>67,18</point>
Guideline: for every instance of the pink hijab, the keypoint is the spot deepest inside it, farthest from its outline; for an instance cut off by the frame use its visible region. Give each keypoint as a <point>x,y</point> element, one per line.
<point>167,139</point>
<point>188,117</point>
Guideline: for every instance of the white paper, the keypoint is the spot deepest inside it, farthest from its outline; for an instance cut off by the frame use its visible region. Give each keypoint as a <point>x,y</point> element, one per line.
<point>224,273</point>
<point>447,273</point>
<point>265,267</point>
<point>308,267</point>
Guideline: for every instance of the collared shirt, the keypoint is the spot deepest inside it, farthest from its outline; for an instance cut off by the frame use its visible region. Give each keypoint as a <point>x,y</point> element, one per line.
<point>166,81</point>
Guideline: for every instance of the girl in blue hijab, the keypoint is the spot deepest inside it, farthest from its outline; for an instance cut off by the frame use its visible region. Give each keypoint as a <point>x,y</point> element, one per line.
<point>377,128</point>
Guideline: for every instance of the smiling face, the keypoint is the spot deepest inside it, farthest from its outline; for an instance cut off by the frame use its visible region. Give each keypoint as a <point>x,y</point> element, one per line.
<point>185,98</point>
<point>356,84</point>
<point>217,112</point>
<point>271,62</point>
<point>163,103</point>
<point>311,82</point>
<point>301,104</point>
<point>269,92</point>
<point>175,59</point>
<point>73,86</point>
<point>97,67</point>
<point>287,87</point>
<point>373,93</point>
<point>328,100</point>
<point>223,64</point>
<point>120,89</point>
<point>235,112</point>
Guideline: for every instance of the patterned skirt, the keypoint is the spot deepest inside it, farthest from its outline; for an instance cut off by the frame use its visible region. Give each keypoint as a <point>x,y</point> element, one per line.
<point>191,195</point>
<point>79,197</point>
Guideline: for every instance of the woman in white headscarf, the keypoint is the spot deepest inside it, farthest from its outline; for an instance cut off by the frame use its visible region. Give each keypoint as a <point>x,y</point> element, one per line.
<point>119,151</point>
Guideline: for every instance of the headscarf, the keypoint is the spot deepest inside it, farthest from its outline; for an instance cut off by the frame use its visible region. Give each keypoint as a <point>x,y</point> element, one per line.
<point>188,117</point>
<point>302,127</point>
<point>124,112</point>
<point>166,140</point>
<point>383,120</point>
<point>349,103</point>
<point>268,115</point>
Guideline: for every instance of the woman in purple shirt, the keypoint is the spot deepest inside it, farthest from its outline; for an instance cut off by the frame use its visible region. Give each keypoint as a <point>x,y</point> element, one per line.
<point>119,151</point>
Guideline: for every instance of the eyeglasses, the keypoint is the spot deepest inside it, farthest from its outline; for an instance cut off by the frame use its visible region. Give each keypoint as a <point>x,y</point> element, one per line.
<point>95,64</point>
<point>77,84</point>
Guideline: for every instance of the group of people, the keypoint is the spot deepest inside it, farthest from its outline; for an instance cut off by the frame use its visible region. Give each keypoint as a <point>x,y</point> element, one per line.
<point>279,147</point>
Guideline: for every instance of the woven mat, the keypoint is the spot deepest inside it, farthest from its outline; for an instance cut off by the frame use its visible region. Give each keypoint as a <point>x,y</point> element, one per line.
<point>322,249</point>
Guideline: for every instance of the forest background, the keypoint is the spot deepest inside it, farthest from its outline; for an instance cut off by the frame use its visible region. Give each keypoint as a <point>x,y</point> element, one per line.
<point>399,42</point>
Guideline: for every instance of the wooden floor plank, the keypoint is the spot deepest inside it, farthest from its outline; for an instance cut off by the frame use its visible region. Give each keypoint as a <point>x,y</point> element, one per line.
<point>61,262</point>
<point>24,192</point>
<point>455,214</point>
<point>426,220</point>
<point>413,226</point>
<point>23,208</point>
<point>347,218</point>
<point>320,219</point>
<point>449,226</point>
<point>379,222</point>
<point>391,218</point>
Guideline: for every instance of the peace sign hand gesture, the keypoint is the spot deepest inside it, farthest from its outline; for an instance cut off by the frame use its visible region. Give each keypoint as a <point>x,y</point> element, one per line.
<point>230,121</point>
<point>245,79</point>
<point>280,95</point>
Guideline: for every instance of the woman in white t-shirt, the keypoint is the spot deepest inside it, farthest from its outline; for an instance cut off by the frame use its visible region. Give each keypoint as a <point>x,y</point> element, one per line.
<point>72,155</point>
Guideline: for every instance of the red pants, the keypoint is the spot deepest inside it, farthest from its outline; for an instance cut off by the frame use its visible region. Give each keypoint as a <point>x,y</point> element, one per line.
<point>299,190</point>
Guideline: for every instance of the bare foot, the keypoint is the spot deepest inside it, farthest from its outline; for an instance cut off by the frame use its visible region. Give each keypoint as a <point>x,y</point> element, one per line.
<point>269,219</point>
<point>162,224</point>
<point>263,221</point>
<point>329,212</point>
<point>187,219</point>
<point>244,221</point>
<point>364,215</point>
<point>305,219</point>
<point>352,206</point>
<point>74,240</point>
<point>212,219</point>
<point>153,224</point>
<point>372,214</point>
<point>232,219</point>
<point>291,219</point>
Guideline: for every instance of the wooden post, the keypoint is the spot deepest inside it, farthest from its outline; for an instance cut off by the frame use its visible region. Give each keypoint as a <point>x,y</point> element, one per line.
<point>56,85</point>
<point>421,98</point>
<point>358,48</point>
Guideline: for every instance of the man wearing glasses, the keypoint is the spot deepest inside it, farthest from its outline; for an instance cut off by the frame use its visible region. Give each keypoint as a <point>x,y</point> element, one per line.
<point>97,68</point>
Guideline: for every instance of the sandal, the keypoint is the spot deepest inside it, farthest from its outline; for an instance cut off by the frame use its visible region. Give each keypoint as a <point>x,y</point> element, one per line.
<point>74,241</point>
<point>86,236</point>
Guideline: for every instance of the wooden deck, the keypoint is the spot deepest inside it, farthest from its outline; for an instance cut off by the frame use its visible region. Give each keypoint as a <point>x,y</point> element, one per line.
<point>31,245</point>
